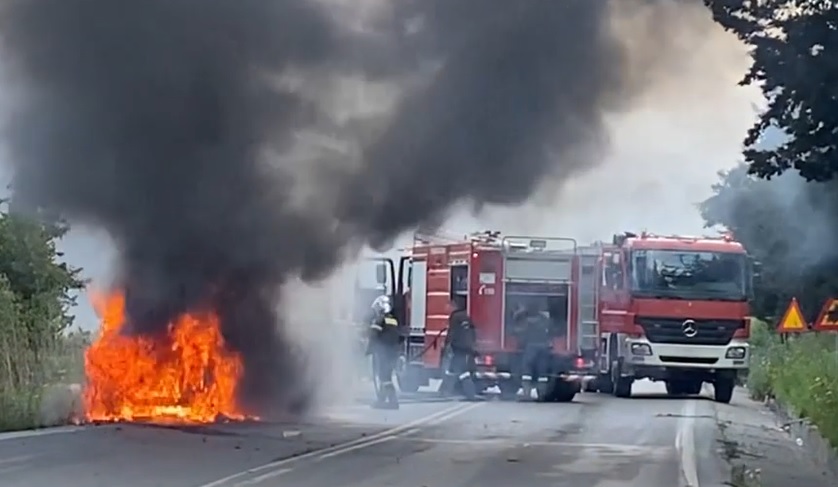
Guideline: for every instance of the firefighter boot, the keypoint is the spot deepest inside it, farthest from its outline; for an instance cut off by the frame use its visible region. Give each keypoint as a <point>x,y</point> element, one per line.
<point>392,397</point>
<point>469,389</point>
<point>447,386</point>
<point>526,389</point>
<point>381,396</point>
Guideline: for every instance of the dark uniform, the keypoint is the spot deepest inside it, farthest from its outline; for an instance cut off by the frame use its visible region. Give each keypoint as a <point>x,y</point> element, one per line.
<point>460,346</point>
<point>385,346</point>
<point>536,344</point>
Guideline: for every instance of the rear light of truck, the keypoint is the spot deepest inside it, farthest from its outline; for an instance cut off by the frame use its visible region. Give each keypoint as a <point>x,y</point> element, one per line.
<point>487,360</point>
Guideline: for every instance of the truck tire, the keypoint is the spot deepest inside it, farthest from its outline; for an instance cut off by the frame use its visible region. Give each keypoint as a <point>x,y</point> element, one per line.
<point>509,389</point>
<point>693,387</point>
<point>544,391</point>
<point>564,391</point>
<point>406,376</point>
<point>723,389</point>
<point>623,387</point>
<point>605,384</point>
<point>408,384</point>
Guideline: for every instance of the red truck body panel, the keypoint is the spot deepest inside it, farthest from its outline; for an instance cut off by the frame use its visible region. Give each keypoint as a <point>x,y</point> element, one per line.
<point>618,309</point>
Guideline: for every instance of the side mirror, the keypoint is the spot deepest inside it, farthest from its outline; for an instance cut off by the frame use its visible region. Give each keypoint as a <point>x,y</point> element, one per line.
<point>381,273</point>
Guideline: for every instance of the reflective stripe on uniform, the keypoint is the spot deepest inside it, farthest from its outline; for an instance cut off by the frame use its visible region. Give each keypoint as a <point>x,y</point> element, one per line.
<point>543,379</point>
<point>526,377</point>
<point>390,321</point>
<point>376,327</point>
<point>387,383</point>
<point>465,375</point>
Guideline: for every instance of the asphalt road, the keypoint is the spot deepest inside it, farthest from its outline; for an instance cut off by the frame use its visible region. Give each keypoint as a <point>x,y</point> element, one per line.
<point>596,441</point>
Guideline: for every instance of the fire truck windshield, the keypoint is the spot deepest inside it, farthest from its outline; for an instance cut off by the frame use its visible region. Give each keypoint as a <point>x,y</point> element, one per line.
<point>677,274</point>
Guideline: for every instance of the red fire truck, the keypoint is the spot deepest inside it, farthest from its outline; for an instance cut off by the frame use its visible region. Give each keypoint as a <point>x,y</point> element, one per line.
<point>493,275</point>
<point>666,308</point>
<point>674,309</point>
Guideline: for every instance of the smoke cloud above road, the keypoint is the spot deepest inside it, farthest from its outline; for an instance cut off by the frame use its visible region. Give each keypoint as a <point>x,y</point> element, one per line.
<point>174,125</point>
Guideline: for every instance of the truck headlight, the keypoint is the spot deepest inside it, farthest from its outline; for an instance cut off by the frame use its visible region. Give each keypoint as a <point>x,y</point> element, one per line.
<point>736,353</point>
<point>641,349</point>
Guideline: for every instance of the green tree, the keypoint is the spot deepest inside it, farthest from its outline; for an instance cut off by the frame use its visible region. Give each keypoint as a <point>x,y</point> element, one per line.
<point>794,46</point>
<point>780,222</point>
<point>35,300</point>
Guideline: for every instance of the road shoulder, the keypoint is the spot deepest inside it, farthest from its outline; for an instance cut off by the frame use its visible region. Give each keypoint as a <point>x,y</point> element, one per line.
<point>761,452</point>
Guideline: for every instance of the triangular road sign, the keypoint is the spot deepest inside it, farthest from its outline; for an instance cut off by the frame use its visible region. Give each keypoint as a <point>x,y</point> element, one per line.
<point>793,321</point>
<point>828,319</point>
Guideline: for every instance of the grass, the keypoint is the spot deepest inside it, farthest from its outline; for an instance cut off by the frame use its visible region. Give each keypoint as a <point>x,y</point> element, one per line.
<point>29,395</point>
<point>801,373</point>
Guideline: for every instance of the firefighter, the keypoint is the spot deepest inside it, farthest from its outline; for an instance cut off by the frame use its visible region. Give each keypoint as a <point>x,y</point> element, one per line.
<point>460,353</point>
<point>535,344</point>
<point>384,346</point>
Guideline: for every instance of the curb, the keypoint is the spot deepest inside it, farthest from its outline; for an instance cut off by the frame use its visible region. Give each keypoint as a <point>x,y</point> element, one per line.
<point>807,437</point>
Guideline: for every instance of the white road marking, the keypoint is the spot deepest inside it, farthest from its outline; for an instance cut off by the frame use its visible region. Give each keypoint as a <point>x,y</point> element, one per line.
<point>18,459</point>
<point>685,445</point>
<point>260,478</point>
<point>359,446</point>
<point>627,449</point>
<point>434,420</point>
<point>13,464</point>
<point>11,469</point>
<point>380,437</point>
<point>16,435</point>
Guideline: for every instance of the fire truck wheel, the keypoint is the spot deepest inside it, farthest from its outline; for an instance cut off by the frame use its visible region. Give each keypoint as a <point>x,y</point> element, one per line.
<point>723,389</point>
<point>622,385</point>
<point>693,387</point>
<point>544,391</point>
<point>509,390</point>
<point>408,384</point>
<point>604,384</point>
<point>564,391</point>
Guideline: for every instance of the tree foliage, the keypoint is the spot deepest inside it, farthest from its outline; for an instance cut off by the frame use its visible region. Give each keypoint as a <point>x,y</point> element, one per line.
<point>781,223</point>
<point>788,222</point>
<point>795,62</point>
<point>35,300</point>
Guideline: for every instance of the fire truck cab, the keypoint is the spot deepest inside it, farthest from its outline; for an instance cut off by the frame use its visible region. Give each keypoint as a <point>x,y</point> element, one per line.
<point>493,276</point>
<point>674,309</point>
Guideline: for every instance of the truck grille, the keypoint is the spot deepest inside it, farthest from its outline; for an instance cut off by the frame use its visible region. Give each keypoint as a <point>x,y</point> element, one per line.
<point>671,330</point>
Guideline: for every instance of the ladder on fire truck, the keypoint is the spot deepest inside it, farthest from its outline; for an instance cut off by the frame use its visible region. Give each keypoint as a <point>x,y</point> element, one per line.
<point>588,290</point>
<point>437,237</point>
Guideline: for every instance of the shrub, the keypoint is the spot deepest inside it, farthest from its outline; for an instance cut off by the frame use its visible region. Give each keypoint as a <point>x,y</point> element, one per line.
<point>801,373</point>
<point>36,351</point>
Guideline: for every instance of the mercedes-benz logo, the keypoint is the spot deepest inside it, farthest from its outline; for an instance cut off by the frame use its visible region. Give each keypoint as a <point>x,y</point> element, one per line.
<point>689,329</point>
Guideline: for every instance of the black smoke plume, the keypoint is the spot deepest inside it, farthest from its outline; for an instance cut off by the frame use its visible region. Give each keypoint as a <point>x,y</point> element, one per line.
<point>147,117</point>
<point>150,118</point>
<point>518,94</point>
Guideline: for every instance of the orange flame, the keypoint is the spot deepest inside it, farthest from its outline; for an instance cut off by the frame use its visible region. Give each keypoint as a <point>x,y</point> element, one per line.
<point>188,377</point>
